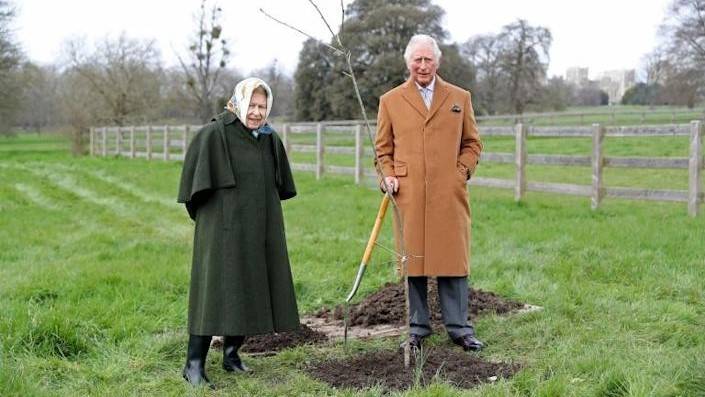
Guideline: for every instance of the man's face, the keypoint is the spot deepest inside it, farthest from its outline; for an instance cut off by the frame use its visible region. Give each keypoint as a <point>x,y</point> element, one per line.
<point>423,64</point>
<point>257,110</point>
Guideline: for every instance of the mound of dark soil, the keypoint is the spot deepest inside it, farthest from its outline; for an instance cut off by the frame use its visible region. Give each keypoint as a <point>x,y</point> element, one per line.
<point>388,306</point>
<point>386,369</point>
<point>279,341</point>
<point>271,343</point>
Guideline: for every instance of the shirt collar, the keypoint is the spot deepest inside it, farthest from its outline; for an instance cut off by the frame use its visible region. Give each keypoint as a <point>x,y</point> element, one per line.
<point>430,86</point>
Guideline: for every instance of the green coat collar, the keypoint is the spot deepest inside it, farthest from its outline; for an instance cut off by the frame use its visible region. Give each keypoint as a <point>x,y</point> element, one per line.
<point>227,117</point>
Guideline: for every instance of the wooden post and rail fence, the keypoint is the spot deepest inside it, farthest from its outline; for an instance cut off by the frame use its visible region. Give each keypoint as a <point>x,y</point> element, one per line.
<point>172,141</point>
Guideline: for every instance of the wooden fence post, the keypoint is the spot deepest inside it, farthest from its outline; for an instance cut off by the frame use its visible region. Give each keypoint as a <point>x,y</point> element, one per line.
<point>285,138</point>
<point>185,139</point>
<point>520,155</point>
<point>132,142</point>
<point>166,142</point>
<point>358,154</point>
<point>105,141</point>
<point>695,166</point>
<point>319,150</point>
<point>598,160</point>
<point>91,135</point>
<point>118,141</point>
<point>148,142</point>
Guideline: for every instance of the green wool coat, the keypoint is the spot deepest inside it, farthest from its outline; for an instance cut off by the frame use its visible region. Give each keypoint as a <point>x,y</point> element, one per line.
<point>231,185</point>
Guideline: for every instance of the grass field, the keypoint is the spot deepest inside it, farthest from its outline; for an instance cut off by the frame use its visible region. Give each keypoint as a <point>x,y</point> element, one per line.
<point>606,115</point>
<point>95,260</point>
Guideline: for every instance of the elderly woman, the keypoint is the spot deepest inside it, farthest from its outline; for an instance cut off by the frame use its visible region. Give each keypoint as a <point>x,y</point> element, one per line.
<point>235,174</point>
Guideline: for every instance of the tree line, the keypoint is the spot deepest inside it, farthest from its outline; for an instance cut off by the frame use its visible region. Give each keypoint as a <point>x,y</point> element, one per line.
<point>675,69</point>
<point>121,80</point>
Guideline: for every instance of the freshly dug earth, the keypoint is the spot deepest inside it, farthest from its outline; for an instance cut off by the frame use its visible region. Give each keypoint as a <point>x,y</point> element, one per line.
<point>388,306</point>
<point>280,341</point>
<point>386,369</point>
<point>271,343</point>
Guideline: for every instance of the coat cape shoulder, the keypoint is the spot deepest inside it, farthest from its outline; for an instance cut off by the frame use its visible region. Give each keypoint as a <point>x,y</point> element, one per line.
<point>207,165</point>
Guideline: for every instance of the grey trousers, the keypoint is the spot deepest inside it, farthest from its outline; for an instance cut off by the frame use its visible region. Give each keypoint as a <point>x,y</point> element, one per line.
<point>453,297</point>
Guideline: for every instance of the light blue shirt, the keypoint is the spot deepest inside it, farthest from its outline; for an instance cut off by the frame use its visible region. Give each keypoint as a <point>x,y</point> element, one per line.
<point>427,92</point>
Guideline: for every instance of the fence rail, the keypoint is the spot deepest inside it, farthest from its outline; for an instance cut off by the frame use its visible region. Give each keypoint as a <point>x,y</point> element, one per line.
<point>608,115</point>
<point>171,143</point>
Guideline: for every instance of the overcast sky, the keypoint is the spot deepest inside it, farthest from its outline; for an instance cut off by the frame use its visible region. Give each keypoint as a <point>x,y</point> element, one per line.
<point>598,34</point>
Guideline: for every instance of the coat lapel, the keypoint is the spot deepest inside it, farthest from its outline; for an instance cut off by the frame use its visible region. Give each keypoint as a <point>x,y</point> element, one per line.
<point>440,93</point>
<point>412,95</point>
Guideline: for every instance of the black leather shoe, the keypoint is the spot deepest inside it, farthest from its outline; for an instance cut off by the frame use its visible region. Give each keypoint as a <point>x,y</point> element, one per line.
<point>468,342</point>
<point>231,360</point>
<point>195,371</point>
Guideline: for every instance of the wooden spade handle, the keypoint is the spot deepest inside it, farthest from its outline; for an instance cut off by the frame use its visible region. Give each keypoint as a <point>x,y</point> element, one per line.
<point>375,230</point>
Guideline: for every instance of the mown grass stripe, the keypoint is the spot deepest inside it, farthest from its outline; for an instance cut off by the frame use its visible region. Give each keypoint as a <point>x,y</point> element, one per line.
<point>68,181</point>
<point>122,184</point>
<point>35,196</point>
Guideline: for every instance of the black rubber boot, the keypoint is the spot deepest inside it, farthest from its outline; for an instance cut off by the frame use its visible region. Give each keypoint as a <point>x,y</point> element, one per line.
<point>195,368</point>
<point>231,360</point>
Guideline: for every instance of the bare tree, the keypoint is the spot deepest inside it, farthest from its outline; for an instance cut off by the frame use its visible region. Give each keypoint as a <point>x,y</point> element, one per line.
<point>81,106</point>
<point>10,57</point>
<point>39,96</point>
<point>484,52</point>
<point>683,32</point>
<point>175,100</point>
<point>685,29</point>
<point>655,65</point>
<point>125,73</point>
<point>208,55</point>
<point>524,61</point>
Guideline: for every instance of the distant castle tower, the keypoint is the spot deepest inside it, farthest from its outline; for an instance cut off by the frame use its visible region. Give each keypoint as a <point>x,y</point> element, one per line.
<point>616,82</point>
<point>577,76</point>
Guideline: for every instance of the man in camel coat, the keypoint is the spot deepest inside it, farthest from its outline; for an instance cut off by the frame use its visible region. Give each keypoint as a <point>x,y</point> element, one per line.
<point>428,146</point>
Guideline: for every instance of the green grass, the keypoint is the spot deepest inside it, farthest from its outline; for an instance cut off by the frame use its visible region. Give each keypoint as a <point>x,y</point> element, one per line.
<point>611,116</point>
<point>95,260</point>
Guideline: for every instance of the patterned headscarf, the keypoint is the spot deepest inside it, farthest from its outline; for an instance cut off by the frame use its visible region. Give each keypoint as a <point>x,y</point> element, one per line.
<point>240,101</point>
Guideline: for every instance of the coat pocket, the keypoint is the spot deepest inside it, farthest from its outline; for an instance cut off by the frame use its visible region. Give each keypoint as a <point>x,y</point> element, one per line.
<point>399,168</point>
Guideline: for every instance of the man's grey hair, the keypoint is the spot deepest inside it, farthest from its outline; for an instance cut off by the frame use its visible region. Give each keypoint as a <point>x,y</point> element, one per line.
<point>420,39</point>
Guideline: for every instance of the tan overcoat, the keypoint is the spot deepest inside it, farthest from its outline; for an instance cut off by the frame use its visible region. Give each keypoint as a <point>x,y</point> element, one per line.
<point>429,151</point>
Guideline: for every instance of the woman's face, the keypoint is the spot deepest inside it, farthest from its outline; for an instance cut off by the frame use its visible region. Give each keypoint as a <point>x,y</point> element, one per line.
<point>256,111</point>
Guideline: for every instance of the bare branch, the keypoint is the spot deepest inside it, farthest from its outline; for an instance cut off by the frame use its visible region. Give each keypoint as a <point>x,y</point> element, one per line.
<point>325,21</point>
<point>189,75</point>
<point>342,18</point>
<point>337,51</point>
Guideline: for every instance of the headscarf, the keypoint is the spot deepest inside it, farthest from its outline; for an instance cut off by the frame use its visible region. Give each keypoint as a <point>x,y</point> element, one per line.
<point>240,101</point>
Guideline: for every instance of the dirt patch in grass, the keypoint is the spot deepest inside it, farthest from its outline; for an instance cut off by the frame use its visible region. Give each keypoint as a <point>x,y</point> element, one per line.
<point>386,370</point>
<point>380,314</point>
<point>388,306</point>
<point>267,344</point>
